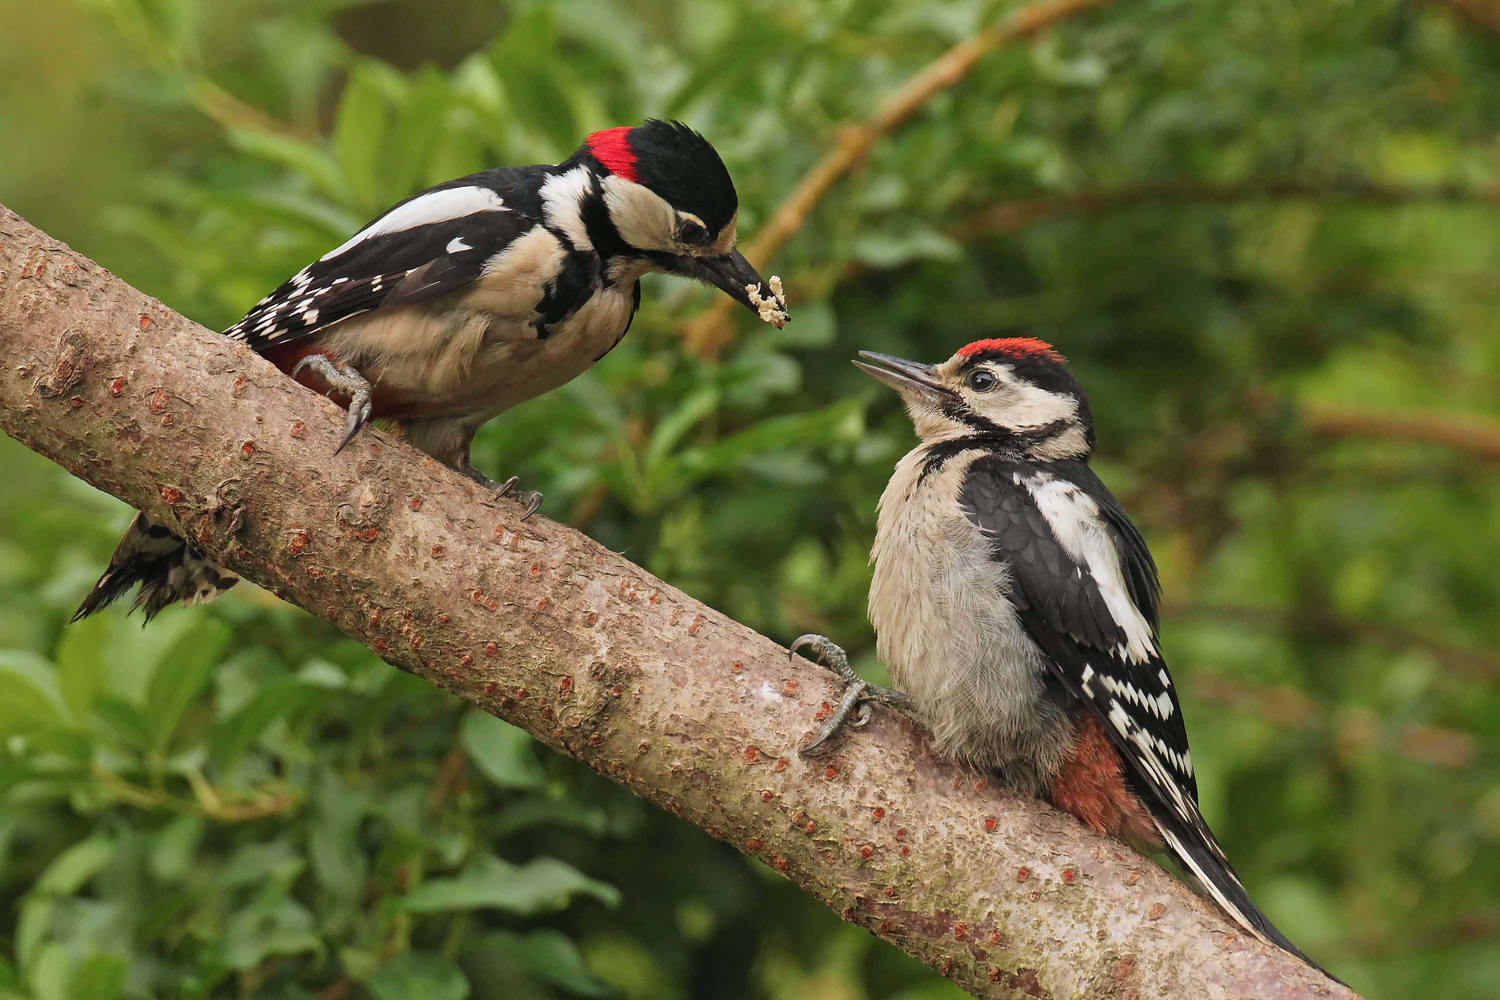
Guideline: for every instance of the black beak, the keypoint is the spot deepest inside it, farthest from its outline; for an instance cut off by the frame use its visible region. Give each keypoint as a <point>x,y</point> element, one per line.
<point>909,378</point>
<point>732,274</point>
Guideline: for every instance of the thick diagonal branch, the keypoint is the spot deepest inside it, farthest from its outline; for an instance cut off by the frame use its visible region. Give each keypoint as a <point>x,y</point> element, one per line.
<point>547,629</point>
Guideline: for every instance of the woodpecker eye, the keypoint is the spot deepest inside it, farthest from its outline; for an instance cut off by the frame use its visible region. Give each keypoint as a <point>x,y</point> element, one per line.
<point>981,380</point>
<point>691,233</point>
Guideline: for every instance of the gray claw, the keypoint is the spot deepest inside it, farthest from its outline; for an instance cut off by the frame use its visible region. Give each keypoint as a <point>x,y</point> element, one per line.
<point>359,411</point>
<point>530,499</point>
<point>350,382</point>
<point>857,695</point>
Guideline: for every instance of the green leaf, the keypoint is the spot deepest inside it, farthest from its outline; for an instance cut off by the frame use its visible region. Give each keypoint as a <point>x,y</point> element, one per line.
<point>118,719</point>
<point>72,868</point>
<point>33,922</point>
<point>549,955</point>
<point>524,60</point>
<point>670,429</point>
<point>98,977</point>
<point>503,752</point>
<point>535,811</point>
<point>175,846</point>
<point>80,662</point>
<point>359,137</point>
<point>283,698</point>
<point>418,132</point>
<point>538,886</point>
<point>31,699</point>
<point>418,974</point>
<point>274,926</point>
<point>333,846</point>
<point>816,326</point>
<point>890,250</point>
<point>49,972</point>
<point>181,674</point>
<point>303,158</point>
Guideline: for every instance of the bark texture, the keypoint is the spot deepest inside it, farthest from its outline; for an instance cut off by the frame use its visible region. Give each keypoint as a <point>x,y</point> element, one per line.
<point>550,631</point>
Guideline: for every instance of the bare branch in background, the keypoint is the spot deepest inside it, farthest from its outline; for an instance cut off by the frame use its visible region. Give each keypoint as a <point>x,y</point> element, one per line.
<point>1482,14</point>
<point>709,331</point>
<point>595,657</point>
<point>1479,664</point>
<point>1015,215</point>
<point>1476,435</point>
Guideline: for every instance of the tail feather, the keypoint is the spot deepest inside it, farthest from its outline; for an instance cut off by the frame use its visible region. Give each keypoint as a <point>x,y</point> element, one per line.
<point>1199,852</point>
<point>166,567</point>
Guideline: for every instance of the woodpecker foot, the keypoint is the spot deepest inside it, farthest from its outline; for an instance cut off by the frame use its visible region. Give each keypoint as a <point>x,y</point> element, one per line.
<point>857,696</point>
<point>530,499</point>
<point>348,381</point>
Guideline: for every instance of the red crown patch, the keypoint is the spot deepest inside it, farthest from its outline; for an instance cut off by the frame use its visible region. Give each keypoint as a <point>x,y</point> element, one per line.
<point>611,149</point>
<point>1016,347</point>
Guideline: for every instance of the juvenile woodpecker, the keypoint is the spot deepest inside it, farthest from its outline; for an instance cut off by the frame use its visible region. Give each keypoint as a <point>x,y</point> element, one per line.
<point>473,296</point>
<point>1015,605</point>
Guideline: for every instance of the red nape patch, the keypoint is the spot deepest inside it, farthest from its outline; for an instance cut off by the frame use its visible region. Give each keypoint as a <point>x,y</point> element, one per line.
<point>1016,347</point>
<point>611,148</point>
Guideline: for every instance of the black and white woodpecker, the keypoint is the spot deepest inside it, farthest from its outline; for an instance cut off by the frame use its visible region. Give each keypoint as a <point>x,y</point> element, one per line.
<point>473,296</point>
<point>1015,605</point>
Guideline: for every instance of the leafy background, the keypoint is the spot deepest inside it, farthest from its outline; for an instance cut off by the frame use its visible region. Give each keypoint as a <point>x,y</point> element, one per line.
<point>1263,230</point>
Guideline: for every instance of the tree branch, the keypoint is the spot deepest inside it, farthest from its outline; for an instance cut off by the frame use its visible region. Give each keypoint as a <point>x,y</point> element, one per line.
<point>1462,432</point>
<point>710,330</point>
<point>1482,14</point>
<point>1016,214</point>
<point>1469,661</point>
<point>596,658</point>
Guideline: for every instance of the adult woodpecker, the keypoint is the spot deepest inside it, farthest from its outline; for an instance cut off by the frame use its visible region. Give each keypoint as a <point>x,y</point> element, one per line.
<point>1015,605</point>
<point>472,296</point>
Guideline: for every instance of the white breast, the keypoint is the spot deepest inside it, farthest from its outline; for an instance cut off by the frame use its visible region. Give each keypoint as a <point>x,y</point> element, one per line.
<point>946,628</point>
<point>515,365</point>
<point>481,355</point>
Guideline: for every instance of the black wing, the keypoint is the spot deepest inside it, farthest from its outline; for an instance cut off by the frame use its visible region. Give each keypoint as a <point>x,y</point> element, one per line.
<point>430,244</point>
<point>1089,600</point>
<point>1092,607</point>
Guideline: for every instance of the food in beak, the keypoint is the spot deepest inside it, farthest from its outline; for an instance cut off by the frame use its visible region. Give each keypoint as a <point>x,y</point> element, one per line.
<point>772,307</point>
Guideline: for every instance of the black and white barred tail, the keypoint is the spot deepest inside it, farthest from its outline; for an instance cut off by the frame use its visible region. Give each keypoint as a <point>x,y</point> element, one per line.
<point>168,568</point>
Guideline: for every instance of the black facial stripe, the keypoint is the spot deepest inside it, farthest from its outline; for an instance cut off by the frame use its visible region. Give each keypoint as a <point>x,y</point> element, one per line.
<point>939,454</point>
<point>608,242</point>
<point>662,258</point>
<point>991,435</point>
<point>566,293</point>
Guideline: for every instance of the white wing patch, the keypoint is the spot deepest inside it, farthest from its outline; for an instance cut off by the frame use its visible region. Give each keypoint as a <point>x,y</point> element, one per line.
<point>424,210</point>
<point>1074,518</point>
<point>562,205</point>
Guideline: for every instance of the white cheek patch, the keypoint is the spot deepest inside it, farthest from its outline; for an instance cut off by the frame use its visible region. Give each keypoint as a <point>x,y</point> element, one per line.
<point>562,205</point>
<point>644,219</point>
<point>1020,404</point>
<point>424,210</point>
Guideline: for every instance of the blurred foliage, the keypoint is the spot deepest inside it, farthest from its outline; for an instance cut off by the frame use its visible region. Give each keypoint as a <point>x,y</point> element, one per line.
<point>1275,206</point>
